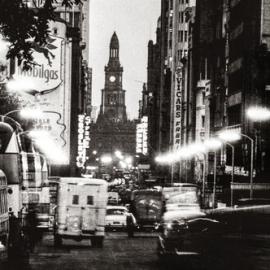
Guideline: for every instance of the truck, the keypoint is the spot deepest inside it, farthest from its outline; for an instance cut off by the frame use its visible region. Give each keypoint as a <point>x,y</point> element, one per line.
<point>81,210</point>
<point>147,207</point>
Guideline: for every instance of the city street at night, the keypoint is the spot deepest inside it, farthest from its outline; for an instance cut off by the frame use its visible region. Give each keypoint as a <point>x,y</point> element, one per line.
<point>139,253</point>
<point>134,134</point>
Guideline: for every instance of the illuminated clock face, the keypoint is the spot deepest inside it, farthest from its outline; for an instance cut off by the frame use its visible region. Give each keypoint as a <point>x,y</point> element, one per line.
<point>112,79</point>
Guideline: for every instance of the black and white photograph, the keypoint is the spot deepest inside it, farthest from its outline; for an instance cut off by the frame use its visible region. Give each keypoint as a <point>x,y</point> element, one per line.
<point>134,134</point>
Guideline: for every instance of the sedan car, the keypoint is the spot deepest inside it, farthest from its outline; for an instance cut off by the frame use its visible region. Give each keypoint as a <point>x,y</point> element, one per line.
<point>116,217</point>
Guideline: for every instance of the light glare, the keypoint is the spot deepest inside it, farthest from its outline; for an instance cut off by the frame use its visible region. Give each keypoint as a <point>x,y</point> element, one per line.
<point>106,159</point>
<point>21,84</point>
<point>258,113</point>
<point>31,113</point>
<point>229,136</point>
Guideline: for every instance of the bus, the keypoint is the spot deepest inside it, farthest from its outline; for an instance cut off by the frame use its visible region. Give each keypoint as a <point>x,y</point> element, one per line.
<point>4,216</point>
<point>27,175</point>
<point>183,196</point>
<point>36,189</point>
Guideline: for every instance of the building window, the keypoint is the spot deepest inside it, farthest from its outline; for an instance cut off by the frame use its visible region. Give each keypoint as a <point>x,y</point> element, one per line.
<point>187,1</point>
<point>75,199</point>
<point>90,200</point>
<point>203,98</point>
<point>179,54</point>
<point>186,36</point>
<point>181,36</point>
<point>203,121</point>
<point>181,17</point>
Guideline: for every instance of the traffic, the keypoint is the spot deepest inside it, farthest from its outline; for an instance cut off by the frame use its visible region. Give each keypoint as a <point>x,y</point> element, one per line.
<point>86,208</point>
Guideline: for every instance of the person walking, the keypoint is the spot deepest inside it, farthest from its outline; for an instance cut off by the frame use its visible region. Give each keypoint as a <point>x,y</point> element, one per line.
<point>18,254</point>
<point>31,229</point>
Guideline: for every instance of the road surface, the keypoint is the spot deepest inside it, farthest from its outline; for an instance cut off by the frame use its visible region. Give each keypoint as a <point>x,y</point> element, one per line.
<point>139,253</point>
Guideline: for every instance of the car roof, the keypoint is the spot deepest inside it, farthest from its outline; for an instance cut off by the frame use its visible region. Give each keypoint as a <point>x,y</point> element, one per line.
<point>116,207</point>
<point>82,180</point>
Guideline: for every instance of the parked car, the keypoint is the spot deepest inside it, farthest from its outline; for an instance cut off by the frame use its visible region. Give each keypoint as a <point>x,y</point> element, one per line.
<point>116,217</point>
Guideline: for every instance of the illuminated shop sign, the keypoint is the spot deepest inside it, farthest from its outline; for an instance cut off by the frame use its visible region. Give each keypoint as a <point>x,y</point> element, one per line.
<point>142,136</point>
<point>177,110</point>
<point>83,139</point>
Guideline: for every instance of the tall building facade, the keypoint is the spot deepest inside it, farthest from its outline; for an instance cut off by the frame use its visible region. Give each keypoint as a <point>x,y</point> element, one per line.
<point>113,131</point>
<point>153,87</point>
<point>171,119</point>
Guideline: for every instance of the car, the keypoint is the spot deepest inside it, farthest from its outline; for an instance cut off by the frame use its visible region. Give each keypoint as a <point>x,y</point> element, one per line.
<point>113,198</point>
<point>116,217</point>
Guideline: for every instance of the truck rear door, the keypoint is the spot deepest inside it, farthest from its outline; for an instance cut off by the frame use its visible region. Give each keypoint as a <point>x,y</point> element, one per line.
<point>90,208</point>
<point>82,211</point>
<point>73,219</point>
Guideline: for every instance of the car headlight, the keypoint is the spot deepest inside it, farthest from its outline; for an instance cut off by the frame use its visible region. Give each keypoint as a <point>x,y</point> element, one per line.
<point>175,226</point>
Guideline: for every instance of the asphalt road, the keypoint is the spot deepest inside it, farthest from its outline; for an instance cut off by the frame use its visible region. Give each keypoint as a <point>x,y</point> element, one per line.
<point>121,253</point>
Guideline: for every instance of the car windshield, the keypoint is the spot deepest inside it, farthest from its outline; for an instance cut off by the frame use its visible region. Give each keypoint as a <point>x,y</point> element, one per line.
<point>116,212</point>
<point>190,197</point>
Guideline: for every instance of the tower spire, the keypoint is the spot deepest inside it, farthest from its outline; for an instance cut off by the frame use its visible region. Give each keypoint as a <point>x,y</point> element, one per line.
<point>114,47</point>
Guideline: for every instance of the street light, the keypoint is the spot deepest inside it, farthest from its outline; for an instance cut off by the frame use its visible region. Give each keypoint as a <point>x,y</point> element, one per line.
<point>231,136</point>
<point>258,113</point>
<point>47,145</point>
<point>106,159</point>
<point>36,112</point>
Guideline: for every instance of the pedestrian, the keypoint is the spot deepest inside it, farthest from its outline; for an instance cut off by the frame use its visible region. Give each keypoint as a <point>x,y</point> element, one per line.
<point>18,255</point>
<point>31,229</point>
<point>130,225</point>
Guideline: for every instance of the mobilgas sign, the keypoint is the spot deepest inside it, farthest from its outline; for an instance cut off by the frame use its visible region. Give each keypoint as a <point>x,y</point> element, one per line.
<point>46,75</point>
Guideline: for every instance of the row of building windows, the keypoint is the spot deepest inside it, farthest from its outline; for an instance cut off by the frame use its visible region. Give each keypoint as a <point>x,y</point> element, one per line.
<point>182,36</point>
<point>183,2</point>
<point>181,54</point>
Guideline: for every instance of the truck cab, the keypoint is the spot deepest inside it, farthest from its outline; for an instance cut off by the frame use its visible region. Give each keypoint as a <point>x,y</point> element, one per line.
<point>147,207</point>
<point>81,210</point>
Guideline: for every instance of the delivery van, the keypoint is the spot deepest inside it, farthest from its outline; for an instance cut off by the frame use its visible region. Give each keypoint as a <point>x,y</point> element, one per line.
<point>81,210</point>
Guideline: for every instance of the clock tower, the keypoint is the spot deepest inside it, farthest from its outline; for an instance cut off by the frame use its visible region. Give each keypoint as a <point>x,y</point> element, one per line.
<point>113,106</point>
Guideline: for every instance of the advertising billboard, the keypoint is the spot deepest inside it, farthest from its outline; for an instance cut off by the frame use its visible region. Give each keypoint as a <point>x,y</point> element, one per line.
<point>177,110</point>
<point>47,87</point>
<point>45,76</point>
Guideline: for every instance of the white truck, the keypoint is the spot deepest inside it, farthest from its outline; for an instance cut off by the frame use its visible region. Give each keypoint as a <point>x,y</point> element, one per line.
<point>81,210</point>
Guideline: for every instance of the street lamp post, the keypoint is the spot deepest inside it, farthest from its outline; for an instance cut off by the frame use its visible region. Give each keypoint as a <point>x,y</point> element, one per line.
<point>215,178</point>
<point>251,163</point>
<point>232,174</point>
